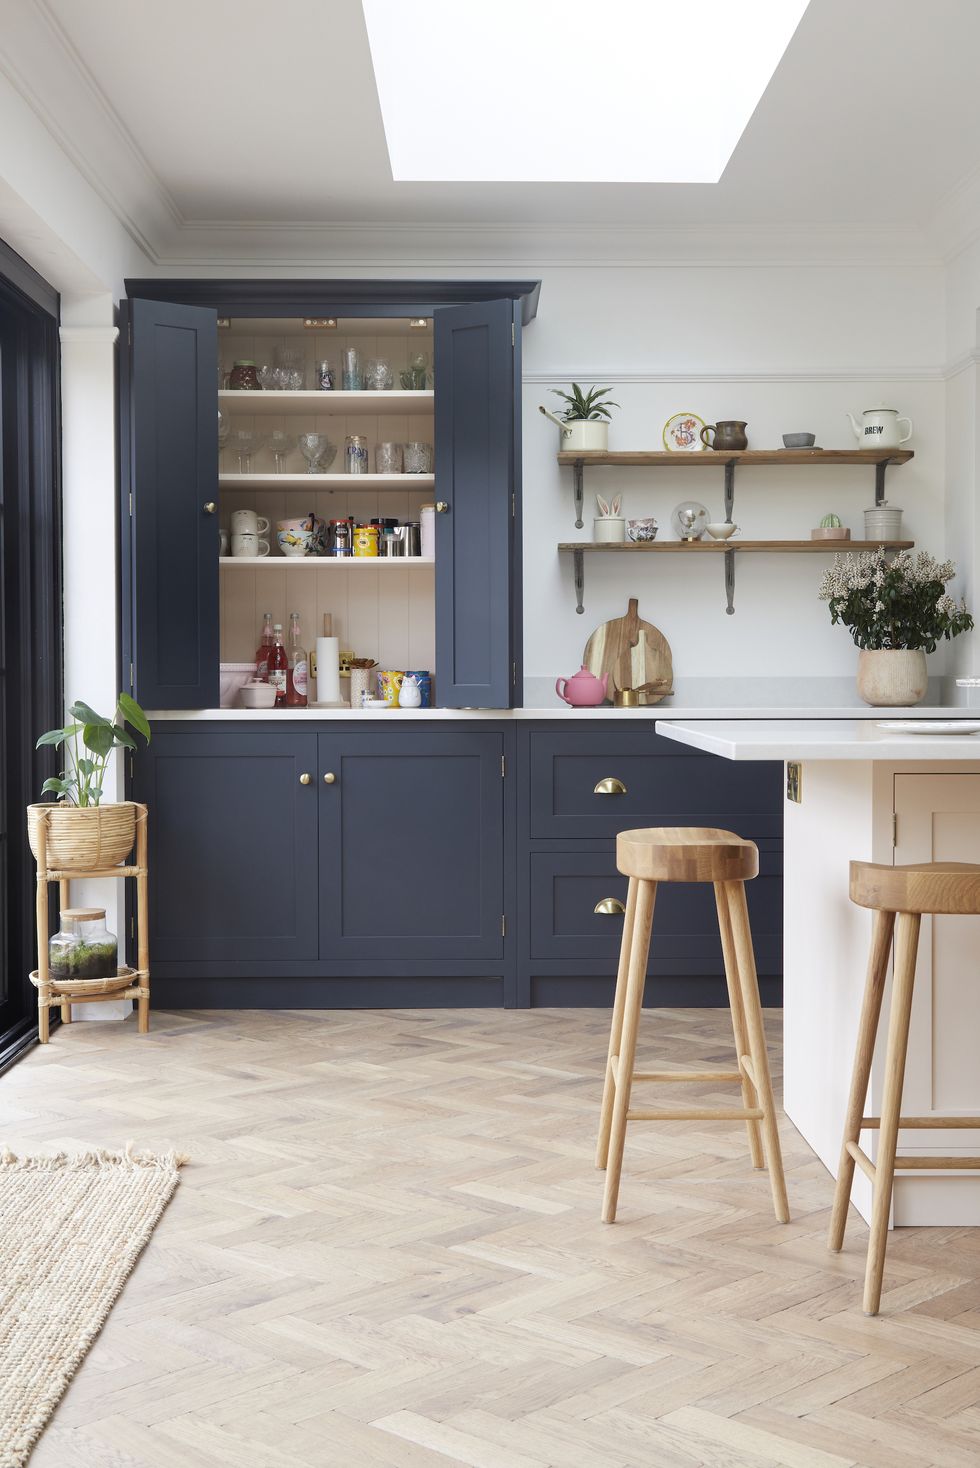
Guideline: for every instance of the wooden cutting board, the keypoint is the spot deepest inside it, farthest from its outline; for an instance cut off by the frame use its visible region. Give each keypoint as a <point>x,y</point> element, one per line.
<point>633,653</point>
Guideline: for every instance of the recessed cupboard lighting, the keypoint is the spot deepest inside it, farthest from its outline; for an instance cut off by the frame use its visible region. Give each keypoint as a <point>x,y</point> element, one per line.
<point>631,91</point>
<point>320,323</point>
<point>419,323</point>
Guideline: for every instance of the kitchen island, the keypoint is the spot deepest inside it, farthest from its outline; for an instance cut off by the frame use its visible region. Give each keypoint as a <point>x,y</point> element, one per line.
<point>862,792</point>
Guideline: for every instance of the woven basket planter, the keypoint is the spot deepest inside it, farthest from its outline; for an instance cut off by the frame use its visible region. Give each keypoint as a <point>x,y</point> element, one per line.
<point>84,840</point>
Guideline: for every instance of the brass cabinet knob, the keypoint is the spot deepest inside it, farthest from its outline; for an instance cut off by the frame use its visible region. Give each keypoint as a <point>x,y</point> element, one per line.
<point>609,907</point>
<point>610,786</point>
<point>329,778</point>
<point>305,779</point>
<point>210,508</point>
<point>442,507</point>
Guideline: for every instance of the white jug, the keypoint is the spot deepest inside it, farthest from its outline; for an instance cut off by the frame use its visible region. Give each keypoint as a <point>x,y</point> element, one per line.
<point>410,694</point>
<point>878,428</point>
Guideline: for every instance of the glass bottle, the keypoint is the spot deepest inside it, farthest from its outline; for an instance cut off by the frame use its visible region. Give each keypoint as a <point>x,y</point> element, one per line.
<point>297,678</point>
<point>264,649</point>
<point>278,666</point>
<point>83,948</point>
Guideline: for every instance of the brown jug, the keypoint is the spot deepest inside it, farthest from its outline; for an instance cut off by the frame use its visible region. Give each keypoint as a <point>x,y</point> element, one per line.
<point>729,433</point>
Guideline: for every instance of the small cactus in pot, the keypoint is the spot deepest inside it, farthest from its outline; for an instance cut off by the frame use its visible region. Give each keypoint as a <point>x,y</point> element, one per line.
<point>830,528</point>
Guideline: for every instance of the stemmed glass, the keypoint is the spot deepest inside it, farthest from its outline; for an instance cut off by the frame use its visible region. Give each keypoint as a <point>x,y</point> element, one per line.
<point>281,445</point>
<point>245,442</point>
<point>315,447</point>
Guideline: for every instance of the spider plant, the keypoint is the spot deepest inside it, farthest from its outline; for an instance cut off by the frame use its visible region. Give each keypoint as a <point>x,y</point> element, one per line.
<point>583,407</point>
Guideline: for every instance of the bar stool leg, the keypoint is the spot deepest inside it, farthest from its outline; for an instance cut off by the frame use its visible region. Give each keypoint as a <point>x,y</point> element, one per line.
<point>616,1028</point>
<point>749,1097</point>
<point>874,988</point>
<point>906,946</point>
<point>623,1065</point>
<point>749,982</point>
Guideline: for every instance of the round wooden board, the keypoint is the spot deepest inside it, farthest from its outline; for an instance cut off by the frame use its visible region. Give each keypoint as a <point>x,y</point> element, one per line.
<point>632,652</point>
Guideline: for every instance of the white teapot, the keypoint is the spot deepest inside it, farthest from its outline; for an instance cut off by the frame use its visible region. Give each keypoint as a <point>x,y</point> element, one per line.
<point>878,428</point>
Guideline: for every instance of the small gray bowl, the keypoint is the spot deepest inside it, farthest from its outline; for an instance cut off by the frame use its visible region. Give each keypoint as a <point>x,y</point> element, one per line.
<point>799,440</point>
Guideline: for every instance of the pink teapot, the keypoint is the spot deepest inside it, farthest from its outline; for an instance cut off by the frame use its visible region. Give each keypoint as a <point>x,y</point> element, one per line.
<point>584,691</point>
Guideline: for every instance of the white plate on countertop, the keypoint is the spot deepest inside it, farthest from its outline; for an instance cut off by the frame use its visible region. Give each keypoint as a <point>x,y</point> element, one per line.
<point>930,726</point>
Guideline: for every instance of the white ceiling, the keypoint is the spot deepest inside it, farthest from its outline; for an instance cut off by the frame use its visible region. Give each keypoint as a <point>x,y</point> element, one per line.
<point>253,125</point>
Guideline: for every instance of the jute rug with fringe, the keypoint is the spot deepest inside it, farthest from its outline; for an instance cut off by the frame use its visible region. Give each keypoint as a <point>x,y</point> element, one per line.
<point>71,1229</point>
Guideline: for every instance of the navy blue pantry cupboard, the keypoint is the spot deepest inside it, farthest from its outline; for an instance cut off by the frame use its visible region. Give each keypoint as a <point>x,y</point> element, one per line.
<point>169,520</point>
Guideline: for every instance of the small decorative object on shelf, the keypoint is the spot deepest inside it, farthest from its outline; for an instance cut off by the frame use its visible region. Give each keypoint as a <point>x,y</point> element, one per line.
<point>897,610</point>
<point>325,376</point>
<point>682,434</point>
<point>830,528</point>
<point>244,378</point>
<point>727,433</point>
<point>722,529</point>
<point>689,520</point>
<point>883,523</point>
<point>413,377</point>
<point>584,421</point>
<point>799,440</point>
<point>583,690</point>
<point>609,524</point>
<point>878,428</point>
<point>644,529</point>
<point>83,948</point>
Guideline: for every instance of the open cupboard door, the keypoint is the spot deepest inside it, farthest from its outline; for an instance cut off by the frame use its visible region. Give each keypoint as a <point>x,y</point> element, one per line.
<point>476,458</point>
<point>170,493</point>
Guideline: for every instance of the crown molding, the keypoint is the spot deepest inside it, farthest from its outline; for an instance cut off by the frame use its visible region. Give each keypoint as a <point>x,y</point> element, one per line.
<point>841,374</point>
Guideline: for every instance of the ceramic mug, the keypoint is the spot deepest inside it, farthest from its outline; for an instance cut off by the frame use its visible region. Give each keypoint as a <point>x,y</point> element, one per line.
<point>247,522</point>
<point>248,545</point>
<point>389,685</point>
<point>728,433</point>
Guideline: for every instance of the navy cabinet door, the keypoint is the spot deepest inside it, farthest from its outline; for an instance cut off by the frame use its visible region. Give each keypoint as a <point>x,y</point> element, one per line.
<point>232,844</point>
<point>475,478</point>
<point>172,457</point>
<point>411,845</point>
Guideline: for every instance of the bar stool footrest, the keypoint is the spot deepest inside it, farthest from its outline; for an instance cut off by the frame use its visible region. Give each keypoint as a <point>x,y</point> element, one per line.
<point>699,1113</point>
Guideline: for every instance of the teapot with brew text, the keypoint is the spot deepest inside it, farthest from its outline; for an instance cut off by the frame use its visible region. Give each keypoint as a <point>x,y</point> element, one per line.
<point>879,428</point>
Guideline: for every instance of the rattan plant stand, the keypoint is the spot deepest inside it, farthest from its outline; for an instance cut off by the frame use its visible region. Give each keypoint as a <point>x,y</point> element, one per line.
<point>126,983</point>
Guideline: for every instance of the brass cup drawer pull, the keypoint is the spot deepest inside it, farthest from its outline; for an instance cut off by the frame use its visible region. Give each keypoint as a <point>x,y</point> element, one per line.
<point>610,786</point>
<point>210,508</point>
<point>609,907</point>
<point>329,778</point>
<point>305,779</point>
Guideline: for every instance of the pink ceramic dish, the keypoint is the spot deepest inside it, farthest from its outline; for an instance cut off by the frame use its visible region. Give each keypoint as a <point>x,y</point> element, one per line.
<point>584,691</point>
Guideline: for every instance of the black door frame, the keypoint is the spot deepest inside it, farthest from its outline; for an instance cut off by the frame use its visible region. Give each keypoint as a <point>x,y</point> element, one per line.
<point>30,467</point>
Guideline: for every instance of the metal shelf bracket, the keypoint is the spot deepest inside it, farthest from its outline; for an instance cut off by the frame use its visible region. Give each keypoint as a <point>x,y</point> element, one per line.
<point>579,562</point>
<point>579,471</point>
<point>730,582</point>
<point>729,490</point>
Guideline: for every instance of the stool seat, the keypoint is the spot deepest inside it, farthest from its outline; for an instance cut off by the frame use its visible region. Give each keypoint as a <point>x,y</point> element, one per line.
<point>926,887</point>
<point>686,854</point>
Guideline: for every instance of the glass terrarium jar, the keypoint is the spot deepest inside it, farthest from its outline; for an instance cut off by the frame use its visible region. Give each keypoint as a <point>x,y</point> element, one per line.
<point>83,948</point>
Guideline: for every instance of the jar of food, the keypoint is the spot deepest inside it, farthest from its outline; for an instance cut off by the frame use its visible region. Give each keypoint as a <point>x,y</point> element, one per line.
<point>356,453</point>
<point>83,948</point>
<point>366,540</point>
<point>244,377</point>
<point>340,538</point>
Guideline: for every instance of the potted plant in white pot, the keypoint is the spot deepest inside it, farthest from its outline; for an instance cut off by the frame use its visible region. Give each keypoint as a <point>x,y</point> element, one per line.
<point>584,421</point>
<point>83,833</point>
<point>897,610</point>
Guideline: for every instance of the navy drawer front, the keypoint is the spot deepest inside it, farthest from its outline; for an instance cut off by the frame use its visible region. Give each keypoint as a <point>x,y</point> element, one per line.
<point>566,886</point>
<point>665,785</point>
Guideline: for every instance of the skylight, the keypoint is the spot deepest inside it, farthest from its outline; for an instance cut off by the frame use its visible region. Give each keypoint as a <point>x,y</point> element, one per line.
<point>572,91</point>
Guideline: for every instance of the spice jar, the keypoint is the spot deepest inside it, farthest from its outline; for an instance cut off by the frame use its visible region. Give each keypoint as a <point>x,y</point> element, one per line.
<point>83,948</point>
<point>244,377</point>
<point>340,538</point>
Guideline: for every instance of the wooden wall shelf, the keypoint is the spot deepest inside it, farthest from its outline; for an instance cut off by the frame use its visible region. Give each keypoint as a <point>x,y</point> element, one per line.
<point>878,459</point>
<point>727,548</point>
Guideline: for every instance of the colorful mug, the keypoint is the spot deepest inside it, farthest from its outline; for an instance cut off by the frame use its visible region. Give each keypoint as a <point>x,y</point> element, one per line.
<point>389,685</point>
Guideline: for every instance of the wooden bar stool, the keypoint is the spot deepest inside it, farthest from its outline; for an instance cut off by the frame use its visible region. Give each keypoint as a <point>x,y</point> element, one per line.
<point>688,854</point>
<point>902,894</point>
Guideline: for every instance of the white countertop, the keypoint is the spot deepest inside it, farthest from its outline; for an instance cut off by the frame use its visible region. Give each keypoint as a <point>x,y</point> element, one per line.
<point>817,738</point>
<point>658,712</point>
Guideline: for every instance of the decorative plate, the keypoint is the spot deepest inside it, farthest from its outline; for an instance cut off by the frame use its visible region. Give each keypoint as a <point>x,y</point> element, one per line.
<point>682,434</point>
<point>931,726</point>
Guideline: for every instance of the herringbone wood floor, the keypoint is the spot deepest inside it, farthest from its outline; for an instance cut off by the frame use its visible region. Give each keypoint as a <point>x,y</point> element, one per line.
<point>387,1250</point>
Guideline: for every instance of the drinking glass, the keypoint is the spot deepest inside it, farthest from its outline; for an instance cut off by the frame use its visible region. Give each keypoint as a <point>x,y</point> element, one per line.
<point>378,376</point>
<point>388,458</point>
<point>281,445</point>
<point>418,458</point>
<point>315,448</point>
<point>352,380</point>
<point>245,442</point>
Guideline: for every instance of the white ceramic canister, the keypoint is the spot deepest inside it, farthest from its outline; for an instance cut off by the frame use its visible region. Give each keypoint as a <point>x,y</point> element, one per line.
<point>609,528</point>
<point>883,523</point>
<point>427,519</point>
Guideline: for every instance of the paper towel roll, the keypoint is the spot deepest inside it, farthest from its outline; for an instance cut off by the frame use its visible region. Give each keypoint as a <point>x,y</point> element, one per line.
<point>328,670</point>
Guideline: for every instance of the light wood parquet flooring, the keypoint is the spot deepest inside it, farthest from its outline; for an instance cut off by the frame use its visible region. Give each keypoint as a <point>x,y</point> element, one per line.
<point>386,1250</point>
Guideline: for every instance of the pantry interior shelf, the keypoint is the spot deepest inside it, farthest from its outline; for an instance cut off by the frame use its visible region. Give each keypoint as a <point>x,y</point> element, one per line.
<point>326,481</point>
<point>306,401</point>
<point>729,460</point>
<point>727,548</point>
<point>324,563</point>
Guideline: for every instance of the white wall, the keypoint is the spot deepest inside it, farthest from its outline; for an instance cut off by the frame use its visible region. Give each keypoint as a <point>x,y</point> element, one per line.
<point>783,348</point>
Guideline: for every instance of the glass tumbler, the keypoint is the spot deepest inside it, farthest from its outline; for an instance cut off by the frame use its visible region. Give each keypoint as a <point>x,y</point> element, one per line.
<point>418,458</point>
<point>351,375</point>
<point>388,458</point>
